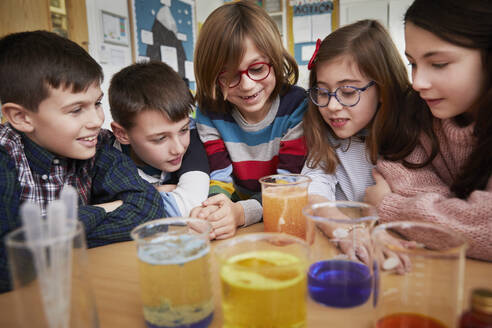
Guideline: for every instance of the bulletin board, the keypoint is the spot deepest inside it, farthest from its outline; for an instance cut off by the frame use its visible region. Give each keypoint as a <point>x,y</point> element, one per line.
<point>165,30</point>
<point>308,20</point>
<point>311,20</point>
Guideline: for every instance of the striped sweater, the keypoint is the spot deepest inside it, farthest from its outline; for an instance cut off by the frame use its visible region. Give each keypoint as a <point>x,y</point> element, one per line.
<point>240,153</point>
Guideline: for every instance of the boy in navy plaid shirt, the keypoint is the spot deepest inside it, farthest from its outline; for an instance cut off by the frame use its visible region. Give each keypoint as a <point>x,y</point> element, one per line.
<point>51,98</point>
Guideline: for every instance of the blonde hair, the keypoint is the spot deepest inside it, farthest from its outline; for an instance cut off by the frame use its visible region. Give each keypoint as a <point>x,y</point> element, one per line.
<point>221,43</point>
<point>369,45</point>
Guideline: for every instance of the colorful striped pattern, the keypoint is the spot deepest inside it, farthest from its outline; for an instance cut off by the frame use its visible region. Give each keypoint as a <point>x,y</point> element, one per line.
<point>240,153</point>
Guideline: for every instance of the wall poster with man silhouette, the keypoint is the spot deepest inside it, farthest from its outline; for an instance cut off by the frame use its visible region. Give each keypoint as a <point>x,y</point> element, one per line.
<point>165,31</point>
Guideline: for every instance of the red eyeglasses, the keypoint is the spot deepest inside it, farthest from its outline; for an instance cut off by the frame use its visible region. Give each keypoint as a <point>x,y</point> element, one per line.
<point>256,72</point>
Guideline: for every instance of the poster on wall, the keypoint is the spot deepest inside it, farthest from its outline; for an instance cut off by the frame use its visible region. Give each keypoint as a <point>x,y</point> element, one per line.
<point>115,28</point>
<point>311,19</point>
<point>165,31</point>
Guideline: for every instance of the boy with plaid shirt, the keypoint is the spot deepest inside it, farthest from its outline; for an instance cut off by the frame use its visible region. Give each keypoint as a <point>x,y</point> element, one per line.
<point>51,99</point>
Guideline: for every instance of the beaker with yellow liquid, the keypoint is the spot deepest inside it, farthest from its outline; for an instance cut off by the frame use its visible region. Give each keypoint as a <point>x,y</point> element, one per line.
<point>263,280</point>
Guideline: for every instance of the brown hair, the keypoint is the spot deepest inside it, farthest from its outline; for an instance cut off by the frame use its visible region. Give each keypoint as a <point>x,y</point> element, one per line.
<point>369,45</point>
<point>465,24</point>
<point>32,62</point>
<point>221,43</point>
<point>148,86</point>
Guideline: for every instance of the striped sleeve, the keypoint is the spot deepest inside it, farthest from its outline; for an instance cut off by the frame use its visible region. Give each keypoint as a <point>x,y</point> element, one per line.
<point>218,157</point>
<point>322,183</point>
<point>293,150</point>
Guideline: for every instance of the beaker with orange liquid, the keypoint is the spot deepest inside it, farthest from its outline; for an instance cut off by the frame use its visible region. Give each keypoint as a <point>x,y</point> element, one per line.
<point>283,198</point>
<point>429,293</point>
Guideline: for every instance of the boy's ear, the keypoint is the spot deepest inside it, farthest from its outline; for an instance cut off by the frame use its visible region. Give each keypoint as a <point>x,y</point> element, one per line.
<point>120,133</point>
<point>18,116</point>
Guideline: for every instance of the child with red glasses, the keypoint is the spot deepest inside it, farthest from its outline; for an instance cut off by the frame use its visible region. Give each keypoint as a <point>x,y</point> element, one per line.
<point>249,114</point>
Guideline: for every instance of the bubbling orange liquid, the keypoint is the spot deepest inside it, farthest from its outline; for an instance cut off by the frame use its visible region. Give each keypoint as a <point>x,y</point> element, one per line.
<point>282,210</point>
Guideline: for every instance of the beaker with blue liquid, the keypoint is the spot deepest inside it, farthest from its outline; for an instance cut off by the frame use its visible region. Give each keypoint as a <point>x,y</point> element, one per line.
<point>342,277</point>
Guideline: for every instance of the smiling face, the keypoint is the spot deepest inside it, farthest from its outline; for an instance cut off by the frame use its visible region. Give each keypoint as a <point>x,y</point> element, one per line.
<point>157,141</point>
<point>448,77</point>
<point>67,124</point>
<point>346,121</point>
<point>252,98</point>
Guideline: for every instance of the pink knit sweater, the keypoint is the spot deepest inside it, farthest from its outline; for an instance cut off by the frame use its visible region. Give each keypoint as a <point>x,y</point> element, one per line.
<point>424,194</point>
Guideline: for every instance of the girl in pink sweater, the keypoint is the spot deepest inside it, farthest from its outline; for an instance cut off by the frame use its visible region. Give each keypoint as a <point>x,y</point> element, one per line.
<point>438,168</point>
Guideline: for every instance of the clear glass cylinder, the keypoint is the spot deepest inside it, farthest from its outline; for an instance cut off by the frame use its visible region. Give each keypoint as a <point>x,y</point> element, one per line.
<point>263,280</point>
<point>283,197</point>
<point>342,274</point>
<point>429,291</point>
<point>50,278</point>
<point>175,273</point>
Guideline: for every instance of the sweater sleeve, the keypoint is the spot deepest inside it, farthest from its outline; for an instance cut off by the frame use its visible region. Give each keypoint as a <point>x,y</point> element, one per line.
<point>420,195</point>
<point>293,150</point>
<point>218,157</point>
<point>321,183</point>
<point>116,178</point>
<point>191,191</point>
<point>10,192</point>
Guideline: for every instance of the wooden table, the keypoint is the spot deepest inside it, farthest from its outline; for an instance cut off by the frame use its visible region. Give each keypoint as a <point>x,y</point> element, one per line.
<point>115,283</point>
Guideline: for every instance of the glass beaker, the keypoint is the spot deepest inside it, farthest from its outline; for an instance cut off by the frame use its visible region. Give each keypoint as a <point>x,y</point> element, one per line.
<point>342,275</point>
<point>430,292</point>
<point>283,197</point>
<point>174,266</point>
<point>263,280</point>
<point>50,278</point>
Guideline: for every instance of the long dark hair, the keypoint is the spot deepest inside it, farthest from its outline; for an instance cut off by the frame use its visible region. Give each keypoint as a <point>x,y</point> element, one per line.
<point>466,24</point>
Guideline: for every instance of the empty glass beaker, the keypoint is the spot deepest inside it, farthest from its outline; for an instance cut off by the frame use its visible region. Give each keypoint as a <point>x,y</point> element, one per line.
<point>50,278</point>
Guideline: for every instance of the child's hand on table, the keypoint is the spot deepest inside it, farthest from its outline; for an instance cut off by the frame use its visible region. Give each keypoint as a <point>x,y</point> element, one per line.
<point>223,214</point>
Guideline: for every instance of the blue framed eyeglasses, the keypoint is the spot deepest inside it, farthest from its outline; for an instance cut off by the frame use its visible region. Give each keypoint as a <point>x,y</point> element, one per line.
<point>347,95</point>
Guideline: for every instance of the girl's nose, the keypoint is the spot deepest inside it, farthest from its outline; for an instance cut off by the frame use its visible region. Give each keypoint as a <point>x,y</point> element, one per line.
<point>246,82</point>
<point>334,104</point>
<point>420,80</point>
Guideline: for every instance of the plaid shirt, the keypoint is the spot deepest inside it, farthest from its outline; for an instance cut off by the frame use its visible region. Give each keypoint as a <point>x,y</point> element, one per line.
<point>29,172</point>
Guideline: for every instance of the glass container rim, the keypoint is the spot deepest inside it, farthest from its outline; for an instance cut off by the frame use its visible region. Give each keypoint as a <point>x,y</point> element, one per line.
<point>259,236</point>
<point>463,243</point>
<point>12,243</point>
<point>305,179</point>
<point>168,221</point>
<point>370,218</point>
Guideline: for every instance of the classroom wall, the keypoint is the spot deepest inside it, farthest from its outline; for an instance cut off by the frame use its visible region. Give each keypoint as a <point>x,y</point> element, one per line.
<point>111,57</point>
<point>389,12</point>
<point>114,57</point>
<point>205,7</point>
